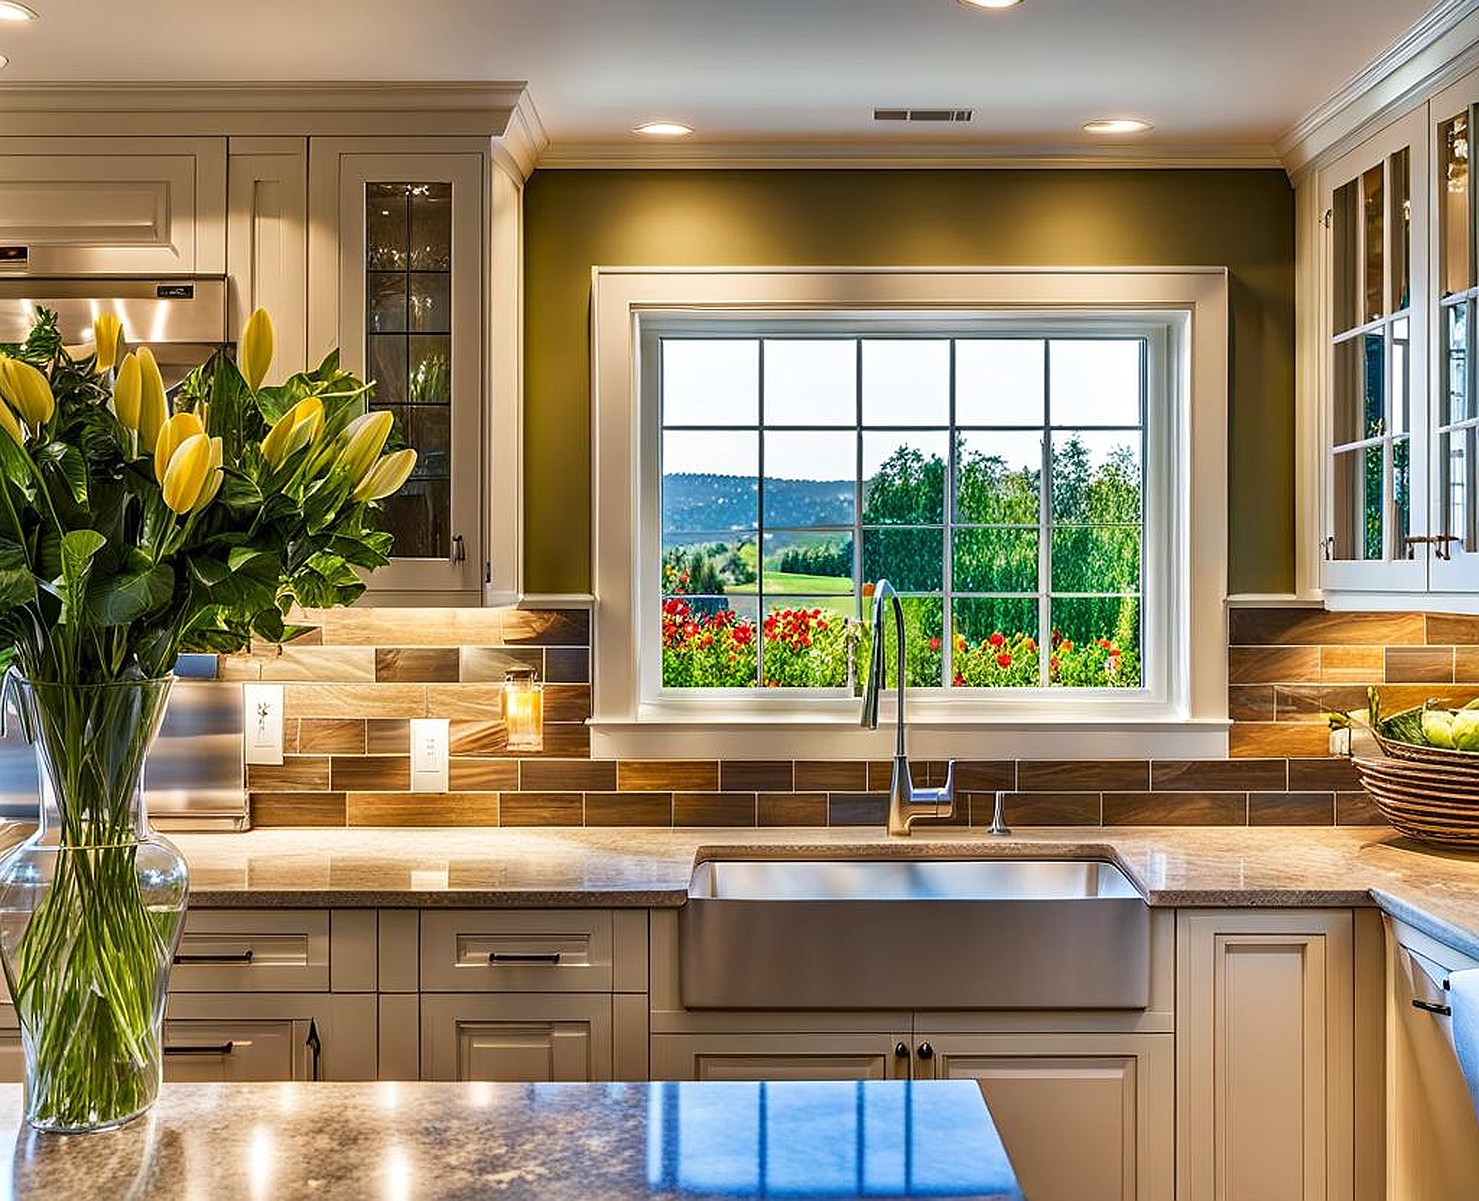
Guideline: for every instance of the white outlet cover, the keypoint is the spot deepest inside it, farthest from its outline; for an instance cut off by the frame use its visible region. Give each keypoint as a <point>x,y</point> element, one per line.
<point>262,722</point>
<point>430,740</point>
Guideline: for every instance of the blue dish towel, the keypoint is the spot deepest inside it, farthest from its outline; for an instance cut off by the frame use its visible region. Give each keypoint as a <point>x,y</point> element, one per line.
<point>1463,998</point>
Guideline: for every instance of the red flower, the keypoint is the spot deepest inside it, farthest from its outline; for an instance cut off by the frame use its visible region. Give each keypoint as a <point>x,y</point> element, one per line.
<point>959,680</point>
<point>1104,644</point>
<point>1028,645</point>
<point>934,644</point>
<point>1065,646</point>
<point>996,639</point>
<point>1003,660</point>
<point>1053,662</point>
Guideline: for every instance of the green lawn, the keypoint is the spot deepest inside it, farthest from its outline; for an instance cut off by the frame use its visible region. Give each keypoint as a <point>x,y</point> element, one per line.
<point>786,581</point>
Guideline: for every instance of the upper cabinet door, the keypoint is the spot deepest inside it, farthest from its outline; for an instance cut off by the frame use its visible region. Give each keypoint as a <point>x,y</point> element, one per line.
<point>1455,493</point>
<point>401,231</point>
<point>113,206</point>
<point>1376,416</point>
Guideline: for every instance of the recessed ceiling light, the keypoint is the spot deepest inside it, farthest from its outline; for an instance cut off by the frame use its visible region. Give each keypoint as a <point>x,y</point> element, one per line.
<point>11,11</point>
<point>990,3</point>
<point>1118,125</point>
<point>664,129</point>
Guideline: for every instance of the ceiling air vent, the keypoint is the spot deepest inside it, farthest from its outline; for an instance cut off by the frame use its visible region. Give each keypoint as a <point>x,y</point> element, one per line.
<point>923,114</point>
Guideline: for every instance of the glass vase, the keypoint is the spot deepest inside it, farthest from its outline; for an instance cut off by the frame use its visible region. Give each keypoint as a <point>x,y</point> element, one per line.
<point>91,907</point>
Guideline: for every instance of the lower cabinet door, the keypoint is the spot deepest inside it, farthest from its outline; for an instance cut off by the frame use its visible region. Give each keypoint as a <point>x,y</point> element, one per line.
<point>241,1049</point>
<point>780,1056</point>
<point>270,1036</point>
<point>1083,1117</point>
<point>516,1036</point>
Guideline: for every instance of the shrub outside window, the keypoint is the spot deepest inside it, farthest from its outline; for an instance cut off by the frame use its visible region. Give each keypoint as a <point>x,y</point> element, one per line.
<point>996,478</point>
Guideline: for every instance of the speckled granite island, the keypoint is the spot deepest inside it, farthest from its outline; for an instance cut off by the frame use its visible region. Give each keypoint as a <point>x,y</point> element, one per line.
<point>556,1142</point>
<point>1233,866</point>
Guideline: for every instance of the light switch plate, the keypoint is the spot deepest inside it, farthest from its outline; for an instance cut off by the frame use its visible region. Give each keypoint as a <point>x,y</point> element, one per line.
<point>430,739</point>
<point>262,722</point>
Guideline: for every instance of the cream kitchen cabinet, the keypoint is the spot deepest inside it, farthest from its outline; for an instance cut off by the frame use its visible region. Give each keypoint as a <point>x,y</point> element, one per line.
<point>398,262</point>
<point>780,1056</point>
<point>269,1036</point>
<point>1087,1116</point>
<point>113,206</point>
<point>1276,1061</point>
<point>516,1036</point>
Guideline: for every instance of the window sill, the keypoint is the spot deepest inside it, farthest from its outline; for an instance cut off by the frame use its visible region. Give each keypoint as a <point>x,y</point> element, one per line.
<point>694,735</point>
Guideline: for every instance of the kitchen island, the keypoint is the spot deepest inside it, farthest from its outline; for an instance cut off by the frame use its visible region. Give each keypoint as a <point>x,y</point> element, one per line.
<point>557,1142</point>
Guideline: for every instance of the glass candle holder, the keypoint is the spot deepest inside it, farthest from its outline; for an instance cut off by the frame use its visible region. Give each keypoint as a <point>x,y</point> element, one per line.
<point>523,709</point>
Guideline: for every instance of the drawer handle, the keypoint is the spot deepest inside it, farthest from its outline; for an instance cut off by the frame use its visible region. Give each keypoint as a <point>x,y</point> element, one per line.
<point>224,1048</point>
<point>1444,1011</point>
<point>228,957</point>
<point>495,957</point>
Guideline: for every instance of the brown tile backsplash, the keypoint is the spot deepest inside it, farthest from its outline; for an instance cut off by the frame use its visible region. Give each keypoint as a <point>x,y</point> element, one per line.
<point>355,680</point>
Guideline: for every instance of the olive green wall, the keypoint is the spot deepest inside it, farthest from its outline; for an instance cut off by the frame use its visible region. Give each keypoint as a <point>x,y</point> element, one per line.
<point>575,220</point>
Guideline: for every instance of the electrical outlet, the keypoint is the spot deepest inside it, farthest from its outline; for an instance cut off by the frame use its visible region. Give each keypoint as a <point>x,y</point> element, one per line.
<point>430,738</point>
<point>262,722</point>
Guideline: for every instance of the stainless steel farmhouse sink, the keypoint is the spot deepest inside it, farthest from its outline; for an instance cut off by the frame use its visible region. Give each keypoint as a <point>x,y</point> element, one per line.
<point>913,934</point>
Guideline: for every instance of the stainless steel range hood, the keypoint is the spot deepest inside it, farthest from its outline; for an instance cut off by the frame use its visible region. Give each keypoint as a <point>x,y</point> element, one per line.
<point>182,319</point>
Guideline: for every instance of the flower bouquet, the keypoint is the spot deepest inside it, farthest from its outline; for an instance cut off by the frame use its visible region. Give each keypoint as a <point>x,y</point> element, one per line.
<point>135,526</point>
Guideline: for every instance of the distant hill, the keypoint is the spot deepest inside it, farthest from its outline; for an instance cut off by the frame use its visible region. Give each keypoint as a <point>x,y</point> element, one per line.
<point>711,503</point>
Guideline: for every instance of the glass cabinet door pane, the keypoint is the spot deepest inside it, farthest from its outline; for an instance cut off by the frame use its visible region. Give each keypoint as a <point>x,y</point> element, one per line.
<point>1401,494</point>
<point>1358,389</point>
<point>1457,405</point>
<point>1401,414</point>
<point>1400,176</point>
<point>408,322</point>
<point>1373,226</point>
<point>1455,230</point>
<point>1346,258</point>
<point>1359,528</point>
<point>1456,471</point>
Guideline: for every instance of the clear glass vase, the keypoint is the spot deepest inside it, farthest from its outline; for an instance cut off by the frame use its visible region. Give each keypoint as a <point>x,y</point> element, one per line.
<point>91,907</point>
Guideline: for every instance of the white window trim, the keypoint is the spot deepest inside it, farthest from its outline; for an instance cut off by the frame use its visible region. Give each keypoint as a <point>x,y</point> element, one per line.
<point>1188,716</point>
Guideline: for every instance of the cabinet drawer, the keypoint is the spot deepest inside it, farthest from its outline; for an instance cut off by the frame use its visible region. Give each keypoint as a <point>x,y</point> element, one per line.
<point>257,950</point>
<point>513,950</point>
<point>524,1037</point>
<point>232,1049</point>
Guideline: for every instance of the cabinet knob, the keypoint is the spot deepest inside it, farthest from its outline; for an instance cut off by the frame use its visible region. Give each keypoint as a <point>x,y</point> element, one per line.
<point>926,1051</point>
<point>901,1050</point>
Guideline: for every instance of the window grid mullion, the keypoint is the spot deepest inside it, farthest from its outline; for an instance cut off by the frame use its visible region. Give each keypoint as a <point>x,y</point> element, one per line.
<point>857,507</point>
<point>1045,524</point>
<point>947,569</point>
<point>760,517</point>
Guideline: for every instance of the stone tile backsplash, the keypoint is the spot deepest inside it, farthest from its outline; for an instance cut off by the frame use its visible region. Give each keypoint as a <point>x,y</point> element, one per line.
<point>353,684</point>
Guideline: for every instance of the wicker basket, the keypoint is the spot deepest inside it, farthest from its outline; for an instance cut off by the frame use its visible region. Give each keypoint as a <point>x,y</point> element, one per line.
<point>1427,793</point>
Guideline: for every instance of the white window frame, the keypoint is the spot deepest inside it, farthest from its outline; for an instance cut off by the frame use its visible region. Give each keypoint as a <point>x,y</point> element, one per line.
<point>1183,709</point>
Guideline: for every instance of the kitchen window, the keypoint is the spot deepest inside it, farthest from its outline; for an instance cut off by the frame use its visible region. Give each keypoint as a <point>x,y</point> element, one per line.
<point>1035,459</point>
<point>996,478</point>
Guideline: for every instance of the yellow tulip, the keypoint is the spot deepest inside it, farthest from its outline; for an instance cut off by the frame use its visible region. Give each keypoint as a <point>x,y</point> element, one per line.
<point>386,476</point>
<point>127,391</point>
<point>294,430</point>
<point>365,436</point>
<point>256,348</point>
<point>27,390</point>
<point>153,409</point>
<point>213,478</point>
<point>10,425</point>
<point>176,431</point>
<point>107,331</point>
<point>186,474</point>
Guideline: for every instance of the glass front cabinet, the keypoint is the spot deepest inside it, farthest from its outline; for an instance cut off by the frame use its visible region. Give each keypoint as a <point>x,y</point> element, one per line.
<point>1376,421</point>
<point>401,230</point>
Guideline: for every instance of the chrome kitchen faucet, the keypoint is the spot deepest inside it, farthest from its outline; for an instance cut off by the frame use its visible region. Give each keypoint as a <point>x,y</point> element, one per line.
<point>906,804</point>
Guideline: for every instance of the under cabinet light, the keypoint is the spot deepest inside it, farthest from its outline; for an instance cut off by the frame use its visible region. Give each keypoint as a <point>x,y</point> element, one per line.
<point>664,129</point>
<point>1118,125</point>
<point>11,11</point>
<point>990,3</point>
<point>3,60</point>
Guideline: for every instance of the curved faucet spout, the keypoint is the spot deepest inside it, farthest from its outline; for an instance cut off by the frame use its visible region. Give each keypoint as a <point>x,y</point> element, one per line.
<point>906,804</point>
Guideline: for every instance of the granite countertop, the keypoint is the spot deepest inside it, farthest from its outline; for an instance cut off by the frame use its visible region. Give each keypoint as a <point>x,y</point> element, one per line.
<point>557,1142</point>
<point>1220,865</point>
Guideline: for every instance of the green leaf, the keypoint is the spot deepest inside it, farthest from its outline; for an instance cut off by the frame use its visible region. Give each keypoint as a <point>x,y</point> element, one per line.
<point>79,547</point>
<point>17,584</point>
<point>130,596</point>
<point>62,462</point>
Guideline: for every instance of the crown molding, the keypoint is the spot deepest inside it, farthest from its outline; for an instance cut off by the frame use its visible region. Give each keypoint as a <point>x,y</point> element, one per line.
<point>267,107</point>
<point>524,140</point>
<point>863,155</point>
<point>1437,48</point>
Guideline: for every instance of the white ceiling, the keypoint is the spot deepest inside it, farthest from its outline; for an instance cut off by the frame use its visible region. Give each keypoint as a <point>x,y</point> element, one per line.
<point>1211,74</point>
